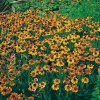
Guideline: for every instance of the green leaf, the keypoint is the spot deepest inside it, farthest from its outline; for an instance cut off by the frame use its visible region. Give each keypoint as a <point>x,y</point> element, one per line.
<point>94,99</point>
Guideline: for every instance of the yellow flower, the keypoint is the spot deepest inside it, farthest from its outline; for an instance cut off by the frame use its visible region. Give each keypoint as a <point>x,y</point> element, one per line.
<point>41,72</point>
<point>90,66</point>
<point>99,29</point>
<point>33,52</point>
<point>59,63</point>
<point>67,87</point>
<point>73,40</point>
<point>34,85</point>
<point>18,49</point>
<point>33,73</point>
<point>57,55</point>
<point>55,70</point>
<point>6,90</point>
<point>46,67</point>
<point>55,87</point>
<point>85,80</point>
<point>96,53</point>
<point>70,61</point>
<point>3,53</point>
<point>1,87</point>
<point>74,80</point>
<point>12,83</point>
<point>68,30</point>
<point>42,84</point>
<point>56,81</point>
<point>52,58</point>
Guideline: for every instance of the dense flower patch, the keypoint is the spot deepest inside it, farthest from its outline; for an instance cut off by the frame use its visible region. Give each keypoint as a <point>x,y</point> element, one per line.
<point>47,58</point>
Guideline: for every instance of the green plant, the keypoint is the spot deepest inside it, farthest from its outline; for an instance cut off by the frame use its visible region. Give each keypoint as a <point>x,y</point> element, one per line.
<point>11,5</point>
<point>96,92</point>
<point>3,4</point>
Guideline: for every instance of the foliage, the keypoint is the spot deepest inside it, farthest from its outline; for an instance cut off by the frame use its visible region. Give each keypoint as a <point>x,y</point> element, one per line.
<point>3,4</point>
<point>7,6</point>
<point>73,8</point>
<point>96,92</point>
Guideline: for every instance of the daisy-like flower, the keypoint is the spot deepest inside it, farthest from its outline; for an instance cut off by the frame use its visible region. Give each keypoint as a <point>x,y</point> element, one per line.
<point>13,96</point>
<point>33,73</point>
<point>56,81</point>
<point>6,90</point>
<point>55,87</point>
<point>97,60</point>
<point>67,87</point>
<point>90,66</point>
<point>85,80</point>
<point>42,84</point>
<point>30,98</point>
<point>35,79</point>
<point>31,62</point>
<point>25,67</point>
<point>70,61</point>
<point>34,85</point>
<point>74,80</point>
<point>74,88</point>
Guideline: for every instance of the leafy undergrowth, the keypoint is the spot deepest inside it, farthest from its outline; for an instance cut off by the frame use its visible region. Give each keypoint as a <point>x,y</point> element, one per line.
<point>96,92</point>
<point>73,8</point>
<point>48,58</point>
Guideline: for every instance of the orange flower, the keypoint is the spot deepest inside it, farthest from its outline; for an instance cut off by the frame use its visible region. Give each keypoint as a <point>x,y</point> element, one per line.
<point>66,80</point>
<point>79,71</point>
<point>97,60</point>
<point>64,70</point>
<point>25,67</point>
<point>45,60</point>
<point>72,75</point>
<point>31,62</point>
<point>93,49</point>
<point>6,90</point>
<point>90,58</point>
<point>14,96</point>
<point>82,66</point>
<point>88,71</point>
<point>56,81</point>
<point>30,98</point>
<point>21,97</point>
<point>75,88</point>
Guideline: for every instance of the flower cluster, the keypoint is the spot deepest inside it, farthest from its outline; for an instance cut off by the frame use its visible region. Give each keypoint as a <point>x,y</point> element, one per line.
<point>51,51</point>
